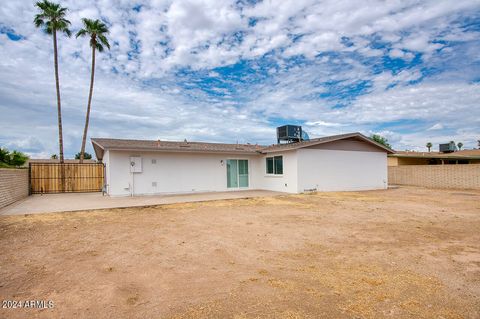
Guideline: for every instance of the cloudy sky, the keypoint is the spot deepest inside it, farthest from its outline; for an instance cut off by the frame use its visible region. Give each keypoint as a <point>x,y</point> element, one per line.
<point>228,71</point>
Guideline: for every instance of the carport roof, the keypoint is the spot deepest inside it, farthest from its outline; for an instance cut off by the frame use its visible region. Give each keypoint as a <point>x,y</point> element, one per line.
<point>101,144</point>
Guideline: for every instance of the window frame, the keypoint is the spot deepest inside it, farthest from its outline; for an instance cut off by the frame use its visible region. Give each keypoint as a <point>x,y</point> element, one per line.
<point>273,165</point>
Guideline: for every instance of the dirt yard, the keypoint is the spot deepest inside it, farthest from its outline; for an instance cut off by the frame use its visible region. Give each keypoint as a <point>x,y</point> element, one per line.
<point>400,253</point>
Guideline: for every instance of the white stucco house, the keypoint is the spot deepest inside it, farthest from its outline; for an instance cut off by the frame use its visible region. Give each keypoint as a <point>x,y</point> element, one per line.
<point>334,163</point>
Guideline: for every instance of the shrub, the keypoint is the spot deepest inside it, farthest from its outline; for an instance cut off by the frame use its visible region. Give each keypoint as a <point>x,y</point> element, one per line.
<point>14,158</point>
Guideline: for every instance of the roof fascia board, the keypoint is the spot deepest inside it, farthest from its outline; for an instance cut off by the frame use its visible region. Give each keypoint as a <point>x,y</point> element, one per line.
<point>138,149</point>
<point>435,156</point>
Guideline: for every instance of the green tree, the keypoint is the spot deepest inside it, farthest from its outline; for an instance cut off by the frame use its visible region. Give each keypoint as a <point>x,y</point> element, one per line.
<point>14,158</point>
<point>380,139</point>
<point>96,30</point>
<point>18,158</point>
<point>4,155</point>
<point>459,145</point>
<point>85,155</point>
<point>429,146</point>
<point>54,156</point>
<point>52,20</point>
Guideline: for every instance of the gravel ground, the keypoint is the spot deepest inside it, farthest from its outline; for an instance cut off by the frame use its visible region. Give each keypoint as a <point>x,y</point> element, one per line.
<point>398,253</point>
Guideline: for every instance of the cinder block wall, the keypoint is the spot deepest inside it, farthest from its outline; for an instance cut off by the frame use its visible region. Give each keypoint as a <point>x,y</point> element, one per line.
<point>13,185</point>
<point>436,176</point>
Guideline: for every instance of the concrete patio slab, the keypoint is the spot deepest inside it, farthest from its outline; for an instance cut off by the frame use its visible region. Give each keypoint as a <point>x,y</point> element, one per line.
<point>49,203</point>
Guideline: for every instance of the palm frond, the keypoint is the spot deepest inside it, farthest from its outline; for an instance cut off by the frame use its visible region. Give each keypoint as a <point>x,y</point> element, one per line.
<point>52,17</point>
<point>81,33</point>
<point>43,5</point>
<point>97,31</point>
<point>88,24</point>
<point>65,21</point>
<point>62,11</point>
<point>62,26</point>
<point>99,47</point>
<point>38,21</point>
<point>49,27</point>
<point>104,41</point>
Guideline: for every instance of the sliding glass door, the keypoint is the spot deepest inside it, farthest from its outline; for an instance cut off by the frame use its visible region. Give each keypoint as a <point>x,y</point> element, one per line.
<point>237,173</point>
<point>243,173</point>
<point>232,173</point>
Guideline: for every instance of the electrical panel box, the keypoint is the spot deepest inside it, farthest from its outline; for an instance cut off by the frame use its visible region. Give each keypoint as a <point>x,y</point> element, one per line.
<point>135,164</point>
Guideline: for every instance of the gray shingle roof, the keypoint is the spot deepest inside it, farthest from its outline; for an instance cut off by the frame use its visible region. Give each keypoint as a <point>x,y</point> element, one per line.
<point>147,145</point>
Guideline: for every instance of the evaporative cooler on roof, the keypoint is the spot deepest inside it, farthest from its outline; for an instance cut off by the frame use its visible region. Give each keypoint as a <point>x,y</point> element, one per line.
<point>289,133</point>
<point>447,147</point>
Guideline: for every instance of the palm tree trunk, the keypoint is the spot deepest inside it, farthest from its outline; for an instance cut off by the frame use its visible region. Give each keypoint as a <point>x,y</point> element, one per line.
<point>84,140</point>
<point>59,111</point>
<point>59,104</point>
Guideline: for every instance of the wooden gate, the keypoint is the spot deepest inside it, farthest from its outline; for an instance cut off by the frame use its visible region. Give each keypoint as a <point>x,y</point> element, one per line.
<point>66,178</point>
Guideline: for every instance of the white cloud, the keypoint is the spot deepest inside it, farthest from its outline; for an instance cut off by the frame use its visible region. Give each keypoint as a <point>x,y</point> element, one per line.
<point>437,126</point>
<point>397,53</point>
<point>426,101</point>
<point>322,123</point>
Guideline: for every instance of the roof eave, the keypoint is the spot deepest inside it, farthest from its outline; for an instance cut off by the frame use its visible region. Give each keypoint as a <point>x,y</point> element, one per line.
<point>141,149</point>
<point>278,150</point>
<point>435,156</point>
<point>99,149</point>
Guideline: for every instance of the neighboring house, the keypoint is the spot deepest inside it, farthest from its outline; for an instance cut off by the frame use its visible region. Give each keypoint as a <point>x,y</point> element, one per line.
<point>400,158</point>
<point>334,163</point>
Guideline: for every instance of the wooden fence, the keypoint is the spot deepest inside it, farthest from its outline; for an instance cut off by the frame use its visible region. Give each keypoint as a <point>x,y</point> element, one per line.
<point>66,178</point>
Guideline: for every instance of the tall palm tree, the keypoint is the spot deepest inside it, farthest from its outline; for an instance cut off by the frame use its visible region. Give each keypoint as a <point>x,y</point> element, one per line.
<point>97,31</point>
<point>52,20</point>
<point>429,146</point>
<point>460,145</point>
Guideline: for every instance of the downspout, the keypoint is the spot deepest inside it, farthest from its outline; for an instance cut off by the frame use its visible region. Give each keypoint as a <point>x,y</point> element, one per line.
<point>105,185</point>
<point>133,184</point>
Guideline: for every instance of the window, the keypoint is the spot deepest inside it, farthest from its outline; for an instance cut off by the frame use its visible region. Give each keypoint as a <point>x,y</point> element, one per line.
<point>278,165</point>
<point>274,165</point>
<point>269,165</point>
